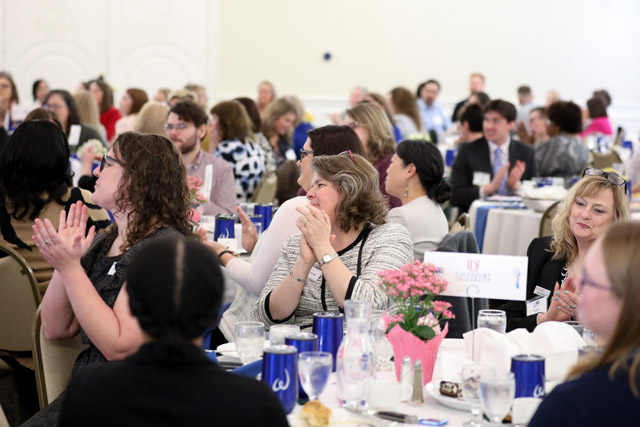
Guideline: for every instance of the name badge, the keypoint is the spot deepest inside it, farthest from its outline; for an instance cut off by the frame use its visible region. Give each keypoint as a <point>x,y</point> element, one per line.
<point>539,290</point>
<point>112,270</point>
<point>536,305</point>
<point>481,178</point>
<point>315,273</point>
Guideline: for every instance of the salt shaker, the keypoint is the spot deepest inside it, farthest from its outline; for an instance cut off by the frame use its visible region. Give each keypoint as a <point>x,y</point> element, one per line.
<point>405,373</point>
<point>418,396</point>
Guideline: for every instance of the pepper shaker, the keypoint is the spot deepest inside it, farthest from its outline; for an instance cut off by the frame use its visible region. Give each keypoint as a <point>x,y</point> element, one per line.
<point>418,396</point>
<point>405,373</point>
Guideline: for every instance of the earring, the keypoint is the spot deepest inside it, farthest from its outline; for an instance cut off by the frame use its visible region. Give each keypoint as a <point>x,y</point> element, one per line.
<point>406,190</point>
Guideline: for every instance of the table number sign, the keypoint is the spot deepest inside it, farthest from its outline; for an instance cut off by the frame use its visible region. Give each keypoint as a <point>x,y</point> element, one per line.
<point>489,276</point>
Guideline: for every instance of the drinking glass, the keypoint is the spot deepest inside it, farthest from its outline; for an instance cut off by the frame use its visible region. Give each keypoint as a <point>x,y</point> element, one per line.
<point>249,341</point>
<point>493,319</point>
<point>382,346</point>
<point>471,389</point>
<point>278,333</point>
<point>496,395</point>
<point>588,336</point>
<point>314,368</point>
<point>575,325</point>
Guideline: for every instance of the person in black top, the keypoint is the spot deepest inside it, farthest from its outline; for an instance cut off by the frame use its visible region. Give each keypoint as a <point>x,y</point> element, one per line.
<point>175,291</point>
<point>604,389</point>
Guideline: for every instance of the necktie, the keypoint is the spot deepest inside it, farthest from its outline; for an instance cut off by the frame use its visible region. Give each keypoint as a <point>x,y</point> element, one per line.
<point>497,164</point>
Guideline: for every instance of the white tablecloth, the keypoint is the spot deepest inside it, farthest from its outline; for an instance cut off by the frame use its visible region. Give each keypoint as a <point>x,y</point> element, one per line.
<point>430,409</point>
<point>507,231</point>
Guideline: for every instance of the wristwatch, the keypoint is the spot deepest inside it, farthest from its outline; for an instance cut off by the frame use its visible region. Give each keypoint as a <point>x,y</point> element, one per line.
<point>327,258</point>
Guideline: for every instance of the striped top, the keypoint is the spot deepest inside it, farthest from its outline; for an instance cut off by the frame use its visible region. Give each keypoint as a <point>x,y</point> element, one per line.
<point>386,246</point>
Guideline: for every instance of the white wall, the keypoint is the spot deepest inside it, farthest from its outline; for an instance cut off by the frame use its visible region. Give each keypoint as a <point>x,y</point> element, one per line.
<point>230,45</point>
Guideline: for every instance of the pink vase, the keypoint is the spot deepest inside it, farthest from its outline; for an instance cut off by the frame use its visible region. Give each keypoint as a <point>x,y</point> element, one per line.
<point>406,344</point>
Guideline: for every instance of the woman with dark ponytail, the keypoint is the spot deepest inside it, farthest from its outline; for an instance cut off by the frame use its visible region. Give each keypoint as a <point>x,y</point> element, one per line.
<point>175,288</point>
<point>415,176</point>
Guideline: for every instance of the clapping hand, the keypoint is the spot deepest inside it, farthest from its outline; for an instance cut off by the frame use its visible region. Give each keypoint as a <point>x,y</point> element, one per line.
<point>249,231</point>
<point>64,248</point>
<point>563,302</point>
<point>316,233</point>
<point>513,182</point>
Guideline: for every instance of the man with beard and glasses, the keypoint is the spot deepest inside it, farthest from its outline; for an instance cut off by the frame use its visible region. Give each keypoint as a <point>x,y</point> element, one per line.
<point>186,126</point>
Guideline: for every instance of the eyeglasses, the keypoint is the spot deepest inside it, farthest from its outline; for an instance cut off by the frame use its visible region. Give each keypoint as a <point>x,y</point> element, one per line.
<point>305,153</point>
<point>111,159</point>
<point>613,178</point>
<point>53,106</point>
<point>353,125</point>
<point>585,280</point>
<point>347,152</point>
<point>179,126</point>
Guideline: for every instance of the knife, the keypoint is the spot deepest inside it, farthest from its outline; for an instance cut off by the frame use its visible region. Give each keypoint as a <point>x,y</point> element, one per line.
<point>408,419</point>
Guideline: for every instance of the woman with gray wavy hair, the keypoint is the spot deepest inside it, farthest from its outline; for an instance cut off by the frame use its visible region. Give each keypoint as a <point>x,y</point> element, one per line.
<point>344,242</point>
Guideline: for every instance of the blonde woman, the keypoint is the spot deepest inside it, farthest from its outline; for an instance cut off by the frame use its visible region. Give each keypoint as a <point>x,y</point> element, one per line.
<point>277,126</point>
<point>88,112</point>
<point>608,306</point>
<point>152,118</point>
<point>376,133</point>
<point>555,262</point>
<point>405,111</point>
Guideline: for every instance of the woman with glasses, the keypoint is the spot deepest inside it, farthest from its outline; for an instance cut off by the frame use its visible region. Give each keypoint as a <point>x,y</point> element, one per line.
<point>563,154</point>
<point>594,202</point>
<point>142,181</point>
<point>344,242</point>
<point>35,183</point>
<point>604,388</point>
<point>376,133</point>
<point>253,275</point>
<point>64,105</point>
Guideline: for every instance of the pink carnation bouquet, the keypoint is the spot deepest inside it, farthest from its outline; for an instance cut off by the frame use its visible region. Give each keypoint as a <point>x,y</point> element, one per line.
<point>413,289</point>
<point>195,196</point>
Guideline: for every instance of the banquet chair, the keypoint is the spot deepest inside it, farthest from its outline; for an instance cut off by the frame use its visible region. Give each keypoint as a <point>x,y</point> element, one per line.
<point>19,298</point>
<point>54,361</point>
<point>266,191</point>
<point>547,219</point>
<point>605,160</point>
<point>3,420</point>
<point>462,223</point>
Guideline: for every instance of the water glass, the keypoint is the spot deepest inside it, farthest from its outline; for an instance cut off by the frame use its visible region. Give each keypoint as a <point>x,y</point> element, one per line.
<point>575,325</point>
<point>589,337</point>
<point>278,333</point>
<point>383,348</point>
<point>249,341</point>
<point>493,319</point>
<point>496,395</point>
<point>471,388</point>
<point>314,368</point>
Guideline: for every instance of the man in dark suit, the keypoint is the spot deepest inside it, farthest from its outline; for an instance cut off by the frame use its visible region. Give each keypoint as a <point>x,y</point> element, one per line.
<point>493,164</point>
<point>476,84</point>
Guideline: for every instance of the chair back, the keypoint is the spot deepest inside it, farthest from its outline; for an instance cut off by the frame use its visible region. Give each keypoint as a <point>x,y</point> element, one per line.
<point>605,160</point>
<point>54,362</point>
<point>462,223</point>
<point>19,298</point>
<point>547,219</point>
<point>266,191</point>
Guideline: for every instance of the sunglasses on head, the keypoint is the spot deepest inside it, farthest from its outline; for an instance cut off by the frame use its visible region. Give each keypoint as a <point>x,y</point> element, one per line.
<point>109,158</point>
<point>613,178</point>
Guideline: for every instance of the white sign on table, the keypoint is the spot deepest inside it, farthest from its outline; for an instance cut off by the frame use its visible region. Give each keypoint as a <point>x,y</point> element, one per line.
<point>482,276</point>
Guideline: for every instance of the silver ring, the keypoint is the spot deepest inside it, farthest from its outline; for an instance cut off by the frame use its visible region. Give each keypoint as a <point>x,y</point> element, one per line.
<point>572,306</point>
<point>48,242</point>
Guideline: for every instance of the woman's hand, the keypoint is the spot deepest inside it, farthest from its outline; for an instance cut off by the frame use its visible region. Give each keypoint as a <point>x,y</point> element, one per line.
<point>316,230</point>
<point>249,231</point>
<point>563,303</point>
<point>88,156</point>
<point>64,248</point>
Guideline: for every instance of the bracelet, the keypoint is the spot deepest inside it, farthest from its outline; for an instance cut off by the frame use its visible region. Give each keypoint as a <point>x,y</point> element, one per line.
<point>295,277</point>
<point>226,251</point>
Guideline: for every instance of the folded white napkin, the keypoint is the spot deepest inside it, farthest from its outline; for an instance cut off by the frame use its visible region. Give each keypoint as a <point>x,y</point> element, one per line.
<point>547,193</point>
<point>556,341</point>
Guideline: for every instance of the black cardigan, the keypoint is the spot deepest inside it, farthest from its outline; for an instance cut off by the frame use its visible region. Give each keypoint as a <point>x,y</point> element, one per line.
<point>541,271</point>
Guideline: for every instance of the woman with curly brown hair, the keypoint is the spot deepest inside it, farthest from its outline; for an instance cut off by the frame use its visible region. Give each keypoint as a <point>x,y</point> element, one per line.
<point>142,181</point>
<point>345,242</point>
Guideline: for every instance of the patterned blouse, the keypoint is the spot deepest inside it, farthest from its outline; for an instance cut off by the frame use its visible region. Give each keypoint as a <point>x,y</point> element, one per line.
<point>248,162</point>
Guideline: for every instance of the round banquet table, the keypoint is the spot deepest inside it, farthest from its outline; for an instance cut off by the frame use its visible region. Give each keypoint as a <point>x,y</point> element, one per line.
<point>429,409</point>
<point>507,231</point>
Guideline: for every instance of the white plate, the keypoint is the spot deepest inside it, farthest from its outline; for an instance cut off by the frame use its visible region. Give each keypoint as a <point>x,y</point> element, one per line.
<point>433,388</point>
<point>229,349</point>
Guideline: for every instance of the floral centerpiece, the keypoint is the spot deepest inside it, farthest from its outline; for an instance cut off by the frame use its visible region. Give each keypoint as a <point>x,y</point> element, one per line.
<point>99,149</point>
<point>415,329</point>
<point>195,196</point>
